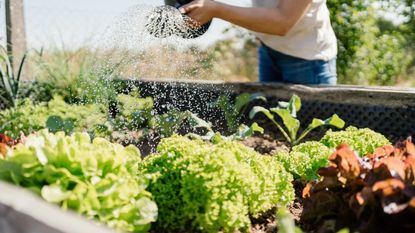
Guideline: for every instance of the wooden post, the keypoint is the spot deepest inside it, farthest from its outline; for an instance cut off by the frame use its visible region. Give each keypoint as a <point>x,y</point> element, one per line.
<point>16,33</point>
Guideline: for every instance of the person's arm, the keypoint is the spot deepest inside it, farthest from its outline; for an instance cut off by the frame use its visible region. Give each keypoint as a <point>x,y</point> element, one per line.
<point>277,20</point>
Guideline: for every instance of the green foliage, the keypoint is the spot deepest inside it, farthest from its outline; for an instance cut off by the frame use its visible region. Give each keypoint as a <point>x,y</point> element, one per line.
<point>9,80</point>
<point>99,180</point>
<point>234,111</point>
<point>366,55</point>
<point>286,222</point>
<point>81,76</point>
<point>206,187</point>
<point>134,112</point>
<point>287,111</point>
<point>245,131</point>
<point>305,159</point>
<point>169,123</point>
<point>362,141</point>
<point>27,117</point>
<point>55,124</point>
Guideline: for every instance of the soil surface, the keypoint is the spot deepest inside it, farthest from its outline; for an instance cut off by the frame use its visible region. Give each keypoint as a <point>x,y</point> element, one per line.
<point>265,144</point>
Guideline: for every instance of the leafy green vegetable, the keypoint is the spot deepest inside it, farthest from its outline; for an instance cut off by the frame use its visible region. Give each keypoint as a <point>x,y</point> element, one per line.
<point>244,131</point>
<point>170,122</point>
<point>234,111</point>
<point>305,159</point>
<point>28,118</point>
<point>56,124</point>
<point>362,141</point>
<point>97,179</point>
<point>287,111</point>
<point>206,187</point>
<point>134,112</point>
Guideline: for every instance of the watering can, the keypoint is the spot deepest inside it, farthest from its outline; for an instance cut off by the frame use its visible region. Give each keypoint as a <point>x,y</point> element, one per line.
<point>165,21</point>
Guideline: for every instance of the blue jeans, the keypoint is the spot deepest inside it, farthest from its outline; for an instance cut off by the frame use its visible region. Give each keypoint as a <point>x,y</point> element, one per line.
<point>278,67</point>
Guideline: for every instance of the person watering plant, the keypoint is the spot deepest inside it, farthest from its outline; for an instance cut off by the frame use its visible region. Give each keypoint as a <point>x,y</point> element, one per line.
<point>298,44</point>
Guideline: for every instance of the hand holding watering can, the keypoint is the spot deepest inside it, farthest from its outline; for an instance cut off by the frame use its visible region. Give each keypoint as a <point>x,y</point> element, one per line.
<point>168,20</point>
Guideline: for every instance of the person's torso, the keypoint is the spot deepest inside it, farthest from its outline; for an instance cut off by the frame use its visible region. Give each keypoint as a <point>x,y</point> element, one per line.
<point>312,38</point>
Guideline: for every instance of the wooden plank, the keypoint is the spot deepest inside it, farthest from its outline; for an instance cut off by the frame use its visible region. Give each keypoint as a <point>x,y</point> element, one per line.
<point>15,28</point>
<point>22,211</point>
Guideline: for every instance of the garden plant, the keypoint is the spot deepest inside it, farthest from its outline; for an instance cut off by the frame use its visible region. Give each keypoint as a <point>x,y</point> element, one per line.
<point>111,155</point>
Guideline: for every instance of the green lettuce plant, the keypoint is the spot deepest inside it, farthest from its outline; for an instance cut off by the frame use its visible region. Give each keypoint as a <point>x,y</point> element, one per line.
<point>204,187</point>
<point>234,111</point>
<point>304,160</point>
<point>287,111</point>
<point>134,112</point>
<point>97,179</point>
<point>363,141</point>
<point>27,117</point>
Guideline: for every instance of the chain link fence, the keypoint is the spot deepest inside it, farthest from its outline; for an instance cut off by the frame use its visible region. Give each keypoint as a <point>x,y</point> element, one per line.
<point>59,24</point>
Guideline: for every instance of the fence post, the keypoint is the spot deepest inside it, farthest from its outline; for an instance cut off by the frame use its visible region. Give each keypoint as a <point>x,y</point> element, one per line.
<point>16,33</point>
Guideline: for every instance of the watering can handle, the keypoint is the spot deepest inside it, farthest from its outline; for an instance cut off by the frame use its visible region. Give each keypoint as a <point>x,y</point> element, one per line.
<point>170,2</point>
<point>177,3</point>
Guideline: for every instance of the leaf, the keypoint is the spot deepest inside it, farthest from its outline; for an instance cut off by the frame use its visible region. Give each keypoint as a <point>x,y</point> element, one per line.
<point>197,122</point>
<point>54,194</point>
<point>258,96</point>
<point>244,131</point>
<point>256,128</point>
<point>257,109</point>
<point>335,121</point>
<point>19,74</point>
<point>68,126</point>
<point>241,101</point>
<point>292,124</point>
<point>294,105</point>
<point>286,222</point>
<point>54,123</point>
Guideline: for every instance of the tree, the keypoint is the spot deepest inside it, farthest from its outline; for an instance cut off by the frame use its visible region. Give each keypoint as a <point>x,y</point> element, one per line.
<point>367,55</point>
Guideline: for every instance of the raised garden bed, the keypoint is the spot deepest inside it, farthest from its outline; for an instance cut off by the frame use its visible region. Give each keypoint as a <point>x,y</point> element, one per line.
<point>389,111</point>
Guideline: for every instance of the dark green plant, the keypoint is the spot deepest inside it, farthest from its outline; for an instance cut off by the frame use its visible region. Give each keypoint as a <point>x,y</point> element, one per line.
<point>363,141</point>
<point>57,123</point>
<point>287,111</point>
<point>9,80</point>
<point>204,187</point>
<point>234,111</point>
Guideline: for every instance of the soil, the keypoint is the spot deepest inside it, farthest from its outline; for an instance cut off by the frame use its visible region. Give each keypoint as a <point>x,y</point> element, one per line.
<point>265,144</point>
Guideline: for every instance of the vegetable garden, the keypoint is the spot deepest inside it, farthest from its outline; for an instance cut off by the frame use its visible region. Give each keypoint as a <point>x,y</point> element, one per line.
<point>233,161</point>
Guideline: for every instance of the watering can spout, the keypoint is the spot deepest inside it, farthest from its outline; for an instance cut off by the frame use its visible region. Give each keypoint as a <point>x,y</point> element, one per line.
<point>165,21</point>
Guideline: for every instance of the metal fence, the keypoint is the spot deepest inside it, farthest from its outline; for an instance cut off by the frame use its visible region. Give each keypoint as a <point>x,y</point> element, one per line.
<point>57,23</point>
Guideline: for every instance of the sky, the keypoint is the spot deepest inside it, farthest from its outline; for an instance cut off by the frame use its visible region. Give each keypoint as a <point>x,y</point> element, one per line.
<point>76,22</point>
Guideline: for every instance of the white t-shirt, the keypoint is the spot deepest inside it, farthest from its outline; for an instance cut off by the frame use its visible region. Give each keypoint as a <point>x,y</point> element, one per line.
<point>312,38</point>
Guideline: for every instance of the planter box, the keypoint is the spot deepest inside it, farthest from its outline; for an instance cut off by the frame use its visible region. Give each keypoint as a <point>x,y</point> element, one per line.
<point>23,212</point>
<point>390,111</point>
